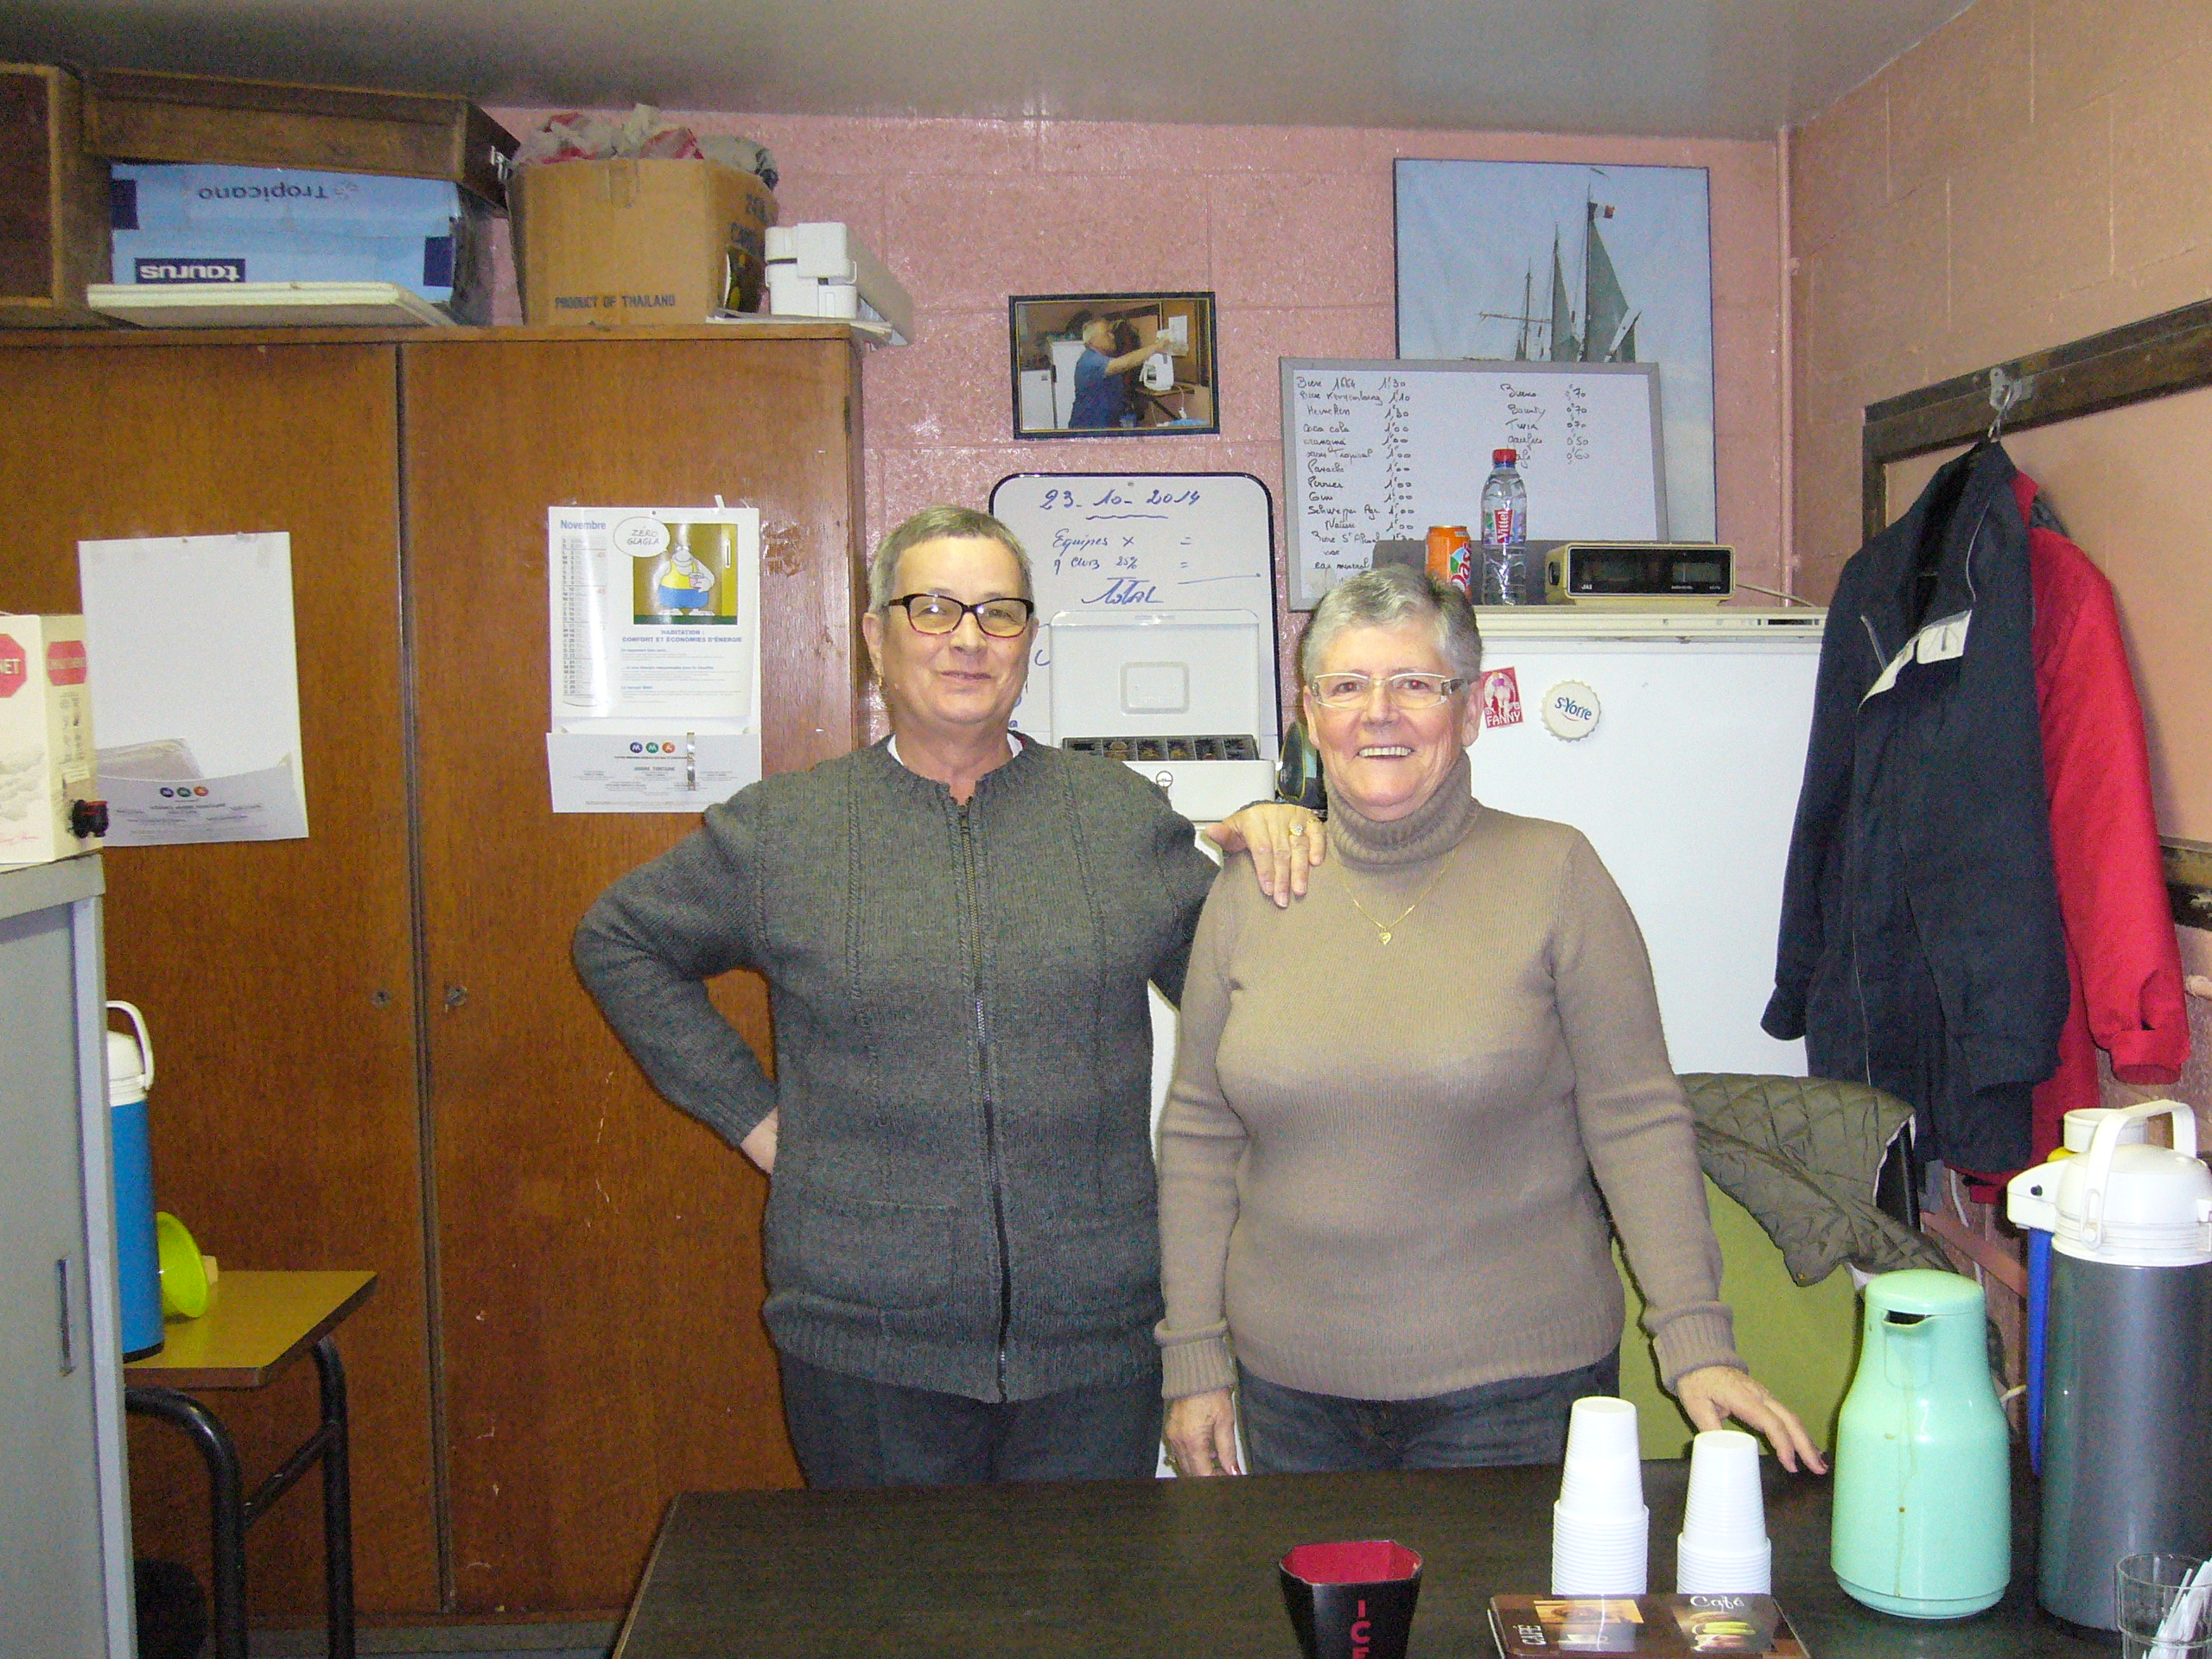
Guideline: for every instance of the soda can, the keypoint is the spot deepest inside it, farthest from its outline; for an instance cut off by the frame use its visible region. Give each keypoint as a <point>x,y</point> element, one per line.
<point>1449,559</point>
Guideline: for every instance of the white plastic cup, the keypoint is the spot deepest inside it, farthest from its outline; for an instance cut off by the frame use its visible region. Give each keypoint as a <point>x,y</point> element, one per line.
<point>1700,1571</point>
<point>1594,1555</point>
<point>1600,1425</point>
<point>1608,1487</point>
<point>1725,1511</point>
<point>1604,1470</point>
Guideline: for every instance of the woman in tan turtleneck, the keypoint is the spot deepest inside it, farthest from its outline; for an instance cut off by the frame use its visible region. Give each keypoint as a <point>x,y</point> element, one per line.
<point>1396,1107</point>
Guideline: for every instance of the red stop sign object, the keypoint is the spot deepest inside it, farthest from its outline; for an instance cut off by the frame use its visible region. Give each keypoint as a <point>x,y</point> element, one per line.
<point>12,666</point>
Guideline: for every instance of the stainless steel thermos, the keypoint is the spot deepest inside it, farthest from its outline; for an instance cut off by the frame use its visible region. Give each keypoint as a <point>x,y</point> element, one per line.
<point>2126,1372</point>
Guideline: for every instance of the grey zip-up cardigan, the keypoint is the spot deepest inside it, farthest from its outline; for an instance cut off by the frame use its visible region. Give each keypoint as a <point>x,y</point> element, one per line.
<point>964,1198</point>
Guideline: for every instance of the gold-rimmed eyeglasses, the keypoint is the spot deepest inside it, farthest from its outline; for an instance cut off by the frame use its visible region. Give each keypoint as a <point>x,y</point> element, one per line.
<point>1403,691</point>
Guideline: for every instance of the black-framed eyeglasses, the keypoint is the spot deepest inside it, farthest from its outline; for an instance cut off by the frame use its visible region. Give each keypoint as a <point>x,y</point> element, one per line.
<point>1001,619</point>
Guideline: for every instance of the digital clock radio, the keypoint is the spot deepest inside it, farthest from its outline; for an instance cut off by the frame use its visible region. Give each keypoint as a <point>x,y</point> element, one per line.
<point>1640,576</point>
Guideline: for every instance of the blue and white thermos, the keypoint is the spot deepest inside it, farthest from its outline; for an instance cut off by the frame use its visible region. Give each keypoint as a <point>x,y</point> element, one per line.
<point>137,1262</point>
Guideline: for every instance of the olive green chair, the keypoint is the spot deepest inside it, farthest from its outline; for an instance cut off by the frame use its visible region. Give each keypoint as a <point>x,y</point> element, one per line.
<point>1801,1340</point>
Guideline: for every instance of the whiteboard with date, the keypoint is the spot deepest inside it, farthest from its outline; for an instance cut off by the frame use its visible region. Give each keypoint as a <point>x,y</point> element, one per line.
<point>1376,450</point>
<point>1129,545</point>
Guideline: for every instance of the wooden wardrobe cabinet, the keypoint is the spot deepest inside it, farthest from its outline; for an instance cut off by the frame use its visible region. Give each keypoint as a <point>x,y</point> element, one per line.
<point>372,1049</point>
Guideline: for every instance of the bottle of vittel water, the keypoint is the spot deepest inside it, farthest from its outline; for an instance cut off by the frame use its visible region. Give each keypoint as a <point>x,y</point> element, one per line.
<point>1505,532</point>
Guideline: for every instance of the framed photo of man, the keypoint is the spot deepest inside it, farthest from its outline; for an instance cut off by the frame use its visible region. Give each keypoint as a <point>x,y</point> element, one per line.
<point>1103,365</point>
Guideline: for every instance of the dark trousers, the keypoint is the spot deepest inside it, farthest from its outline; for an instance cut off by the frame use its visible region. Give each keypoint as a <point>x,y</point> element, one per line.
<point>1521,1419</point>
<point>848,1431</point>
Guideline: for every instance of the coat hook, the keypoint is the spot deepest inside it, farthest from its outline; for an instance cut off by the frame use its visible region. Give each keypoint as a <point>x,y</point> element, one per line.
<point>2006,393</point>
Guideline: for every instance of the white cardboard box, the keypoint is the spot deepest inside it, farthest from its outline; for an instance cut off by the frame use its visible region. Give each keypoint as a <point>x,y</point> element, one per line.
<point>46,739</point>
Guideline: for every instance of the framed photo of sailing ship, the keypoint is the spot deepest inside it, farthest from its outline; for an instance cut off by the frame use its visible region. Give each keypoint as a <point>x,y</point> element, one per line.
<point>1567,263</point>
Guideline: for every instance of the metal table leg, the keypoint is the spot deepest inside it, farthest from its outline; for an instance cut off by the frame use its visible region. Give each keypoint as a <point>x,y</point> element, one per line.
<point>231,1513</point>
<point>225,1503</point>
<point>337,1502</point>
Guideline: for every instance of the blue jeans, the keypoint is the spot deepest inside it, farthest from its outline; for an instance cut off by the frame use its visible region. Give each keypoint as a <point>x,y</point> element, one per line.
<point>1520,1419</point>
<point>848,1431</point>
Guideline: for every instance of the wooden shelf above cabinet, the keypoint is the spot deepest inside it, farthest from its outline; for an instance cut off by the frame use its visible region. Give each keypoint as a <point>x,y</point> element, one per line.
<point>763,329</point>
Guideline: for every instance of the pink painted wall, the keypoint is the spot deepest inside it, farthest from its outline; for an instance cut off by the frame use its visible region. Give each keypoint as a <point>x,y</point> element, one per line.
<point>2032,172</point>
<point>1290,227</point>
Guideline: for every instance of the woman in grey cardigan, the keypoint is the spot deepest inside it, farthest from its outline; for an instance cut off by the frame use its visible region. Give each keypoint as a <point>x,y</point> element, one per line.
<point>957,927</point>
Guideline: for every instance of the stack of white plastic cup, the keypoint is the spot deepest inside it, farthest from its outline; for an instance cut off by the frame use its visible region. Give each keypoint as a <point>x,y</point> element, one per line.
<point>1723,1547</point>
<point>1601,1531</point>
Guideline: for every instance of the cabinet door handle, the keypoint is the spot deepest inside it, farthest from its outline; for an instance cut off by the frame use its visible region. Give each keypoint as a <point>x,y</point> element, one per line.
<point>456,996</point>
<point>61,1308</point>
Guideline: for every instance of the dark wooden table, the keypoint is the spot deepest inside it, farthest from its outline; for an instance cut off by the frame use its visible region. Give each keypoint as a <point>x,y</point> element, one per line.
<point>1187,1568</point>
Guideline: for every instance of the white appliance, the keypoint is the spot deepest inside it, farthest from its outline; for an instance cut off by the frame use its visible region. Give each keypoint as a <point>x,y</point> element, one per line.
<point>824,271</point>
<point>1676,743</point>
<point>1037,415</point>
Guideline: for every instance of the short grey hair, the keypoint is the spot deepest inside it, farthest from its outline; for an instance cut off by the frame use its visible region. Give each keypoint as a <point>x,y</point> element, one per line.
<point>1385,597</point>
<point>961,524</point>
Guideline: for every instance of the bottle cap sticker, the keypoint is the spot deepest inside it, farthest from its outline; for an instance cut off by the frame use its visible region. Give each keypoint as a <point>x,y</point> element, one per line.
<point>1570,710</point>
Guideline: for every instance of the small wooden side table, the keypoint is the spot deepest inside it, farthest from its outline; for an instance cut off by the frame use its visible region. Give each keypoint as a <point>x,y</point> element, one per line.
<point>257,1324</point>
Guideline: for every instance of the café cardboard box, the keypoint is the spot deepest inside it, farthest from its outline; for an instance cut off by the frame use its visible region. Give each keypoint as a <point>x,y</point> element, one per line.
<point>627,243</point>
<point>46,739</point>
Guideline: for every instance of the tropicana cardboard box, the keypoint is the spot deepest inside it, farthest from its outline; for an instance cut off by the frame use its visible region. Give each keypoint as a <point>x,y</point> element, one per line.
<point>625,243</point>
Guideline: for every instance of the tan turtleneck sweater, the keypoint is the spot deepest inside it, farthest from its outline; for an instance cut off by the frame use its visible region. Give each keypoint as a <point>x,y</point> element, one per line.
<point>1380,1164</point>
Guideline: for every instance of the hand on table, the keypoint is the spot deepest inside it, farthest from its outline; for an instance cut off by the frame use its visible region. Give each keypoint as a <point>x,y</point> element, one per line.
<point>1285,843</point>
<point>1202,1434</point>
<point>1712,1393</point>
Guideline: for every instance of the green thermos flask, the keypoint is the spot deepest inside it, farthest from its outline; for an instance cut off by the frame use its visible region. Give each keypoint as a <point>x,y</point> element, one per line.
<point>1922,1512</point>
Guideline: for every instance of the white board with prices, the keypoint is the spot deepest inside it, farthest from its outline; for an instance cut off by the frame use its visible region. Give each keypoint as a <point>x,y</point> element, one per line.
<point>1180,554</point>
<point>1377,450</point>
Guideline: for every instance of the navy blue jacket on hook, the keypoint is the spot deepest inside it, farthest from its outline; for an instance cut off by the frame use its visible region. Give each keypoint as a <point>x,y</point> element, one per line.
<point>1922,948</point>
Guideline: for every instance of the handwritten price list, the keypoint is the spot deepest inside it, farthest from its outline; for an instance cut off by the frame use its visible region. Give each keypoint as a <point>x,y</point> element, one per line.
<point>1356,439</point>
<point>1378,451</point>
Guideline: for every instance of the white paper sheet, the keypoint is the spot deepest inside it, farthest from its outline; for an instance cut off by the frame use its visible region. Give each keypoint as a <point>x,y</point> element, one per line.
<point>676,772</point>
<point>654,615</point>
<point>245,806</point>
<point>195,687</point>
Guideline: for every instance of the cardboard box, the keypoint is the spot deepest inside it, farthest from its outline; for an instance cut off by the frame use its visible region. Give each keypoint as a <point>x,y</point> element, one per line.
<point>233,224</point>
<point>53,237</point>
<point>136,116</point>
<point>46,742</point>
<point>625,243</point>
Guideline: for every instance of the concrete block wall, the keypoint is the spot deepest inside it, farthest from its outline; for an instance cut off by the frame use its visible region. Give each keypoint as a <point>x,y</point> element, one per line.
<point>2034,171</point>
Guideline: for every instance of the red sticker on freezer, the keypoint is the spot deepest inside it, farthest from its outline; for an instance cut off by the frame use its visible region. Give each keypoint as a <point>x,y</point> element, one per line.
<point>1501,698</point>
<point>12,671</point>
<point>64,663</point>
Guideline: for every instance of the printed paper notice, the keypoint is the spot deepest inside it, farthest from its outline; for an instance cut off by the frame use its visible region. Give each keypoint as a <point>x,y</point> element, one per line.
<point>656,612</point>
<point>666,772</point>
<point>655,621</point>
<point>195,687</point>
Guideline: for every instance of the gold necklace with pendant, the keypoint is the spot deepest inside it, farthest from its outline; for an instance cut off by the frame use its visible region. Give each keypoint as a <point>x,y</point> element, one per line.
<point>1383,929</point>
